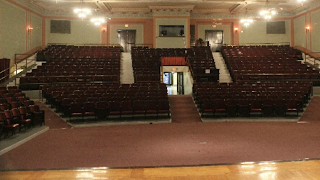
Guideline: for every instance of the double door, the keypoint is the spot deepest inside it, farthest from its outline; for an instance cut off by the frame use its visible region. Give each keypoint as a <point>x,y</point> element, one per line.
<point>127,39</point>
<point>215,38</point>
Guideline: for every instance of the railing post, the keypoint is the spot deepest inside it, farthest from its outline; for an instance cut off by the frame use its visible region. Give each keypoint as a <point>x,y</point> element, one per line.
<point>15,61</point>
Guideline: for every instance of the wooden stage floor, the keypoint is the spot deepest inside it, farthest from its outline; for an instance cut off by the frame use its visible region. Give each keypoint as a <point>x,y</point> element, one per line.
<point>297,170</point>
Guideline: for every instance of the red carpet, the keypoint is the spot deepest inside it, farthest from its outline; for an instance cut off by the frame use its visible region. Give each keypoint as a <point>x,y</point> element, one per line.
<point>183,109</point>
<point>52,120</point>
<point>165,145</point>
<point>312,113</point>
<point>175,144</point>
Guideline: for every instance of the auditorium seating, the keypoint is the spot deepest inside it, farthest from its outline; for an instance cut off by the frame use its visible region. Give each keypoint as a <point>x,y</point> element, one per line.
<point>111,101</point>
<point>16,111</point>
<point>252,98</point>
<point>202,65</point>
<point>146,62</point>
<point>266,63</point>
<point>75,64</point>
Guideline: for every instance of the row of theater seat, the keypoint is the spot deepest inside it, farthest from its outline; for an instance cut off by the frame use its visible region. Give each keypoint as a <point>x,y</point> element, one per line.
<point>17,111</point>
<point>266,63</point>
<point>75,68</point>
<point>202,65</point>
<point>247,98</point>
<point>146,66</point>
<point>108,100</point>
<point>70,51</point>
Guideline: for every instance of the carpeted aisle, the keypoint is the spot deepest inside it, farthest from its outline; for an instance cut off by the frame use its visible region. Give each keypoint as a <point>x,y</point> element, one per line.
<point>183,109</point>
<point>52,120</point>
<point>312,113</point>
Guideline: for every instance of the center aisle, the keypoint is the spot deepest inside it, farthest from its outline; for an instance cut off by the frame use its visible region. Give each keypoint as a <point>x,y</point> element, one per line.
<point>183,109</point>
<point>52,120</point>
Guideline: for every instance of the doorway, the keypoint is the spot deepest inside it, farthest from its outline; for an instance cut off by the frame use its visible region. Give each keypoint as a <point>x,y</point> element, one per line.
<point>180,85</point>
<point>215,38</point>
<point>168,78</point>
<point>127,39</point>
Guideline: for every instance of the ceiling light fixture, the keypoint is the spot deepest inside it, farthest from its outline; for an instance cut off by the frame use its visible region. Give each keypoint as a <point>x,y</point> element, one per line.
<point>246,22</point>
<point>268,13</point>
<point>97,21</point>
<point>82,12</point>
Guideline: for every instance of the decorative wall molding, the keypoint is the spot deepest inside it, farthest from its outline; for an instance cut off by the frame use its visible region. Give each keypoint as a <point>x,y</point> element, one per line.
<point>170,13</point>
<point>30,5</point>
<point>131,10</point>
<point>186,8</point>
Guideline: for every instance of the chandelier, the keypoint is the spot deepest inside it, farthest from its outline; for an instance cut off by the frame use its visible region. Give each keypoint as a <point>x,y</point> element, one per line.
<point>246,22</point>
<point>82,12</point>
<point>98,21</point>
<point>268,13</point>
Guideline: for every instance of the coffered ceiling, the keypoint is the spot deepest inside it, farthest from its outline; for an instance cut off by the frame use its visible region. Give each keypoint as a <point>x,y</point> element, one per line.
<point>207,7</point>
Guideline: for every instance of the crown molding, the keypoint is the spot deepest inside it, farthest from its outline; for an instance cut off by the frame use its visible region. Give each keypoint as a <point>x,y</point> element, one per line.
<point>186,8</point>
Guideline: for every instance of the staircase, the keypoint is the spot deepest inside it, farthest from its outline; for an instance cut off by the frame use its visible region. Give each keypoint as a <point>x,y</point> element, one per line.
<point>30,67</point>
<point>224,75</point>
<point>126,70</point>
<point>183,109</point>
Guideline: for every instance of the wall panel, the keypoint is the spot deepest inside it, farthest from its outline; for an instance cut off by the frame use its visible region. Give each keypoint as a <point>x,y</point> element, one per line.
<point>299,31</point>
<point>37,31</point>
<point>173,42</point>
<point>256,33</point>
<point>315,31</point>
<point>82,32</point>
<point>12,30</point>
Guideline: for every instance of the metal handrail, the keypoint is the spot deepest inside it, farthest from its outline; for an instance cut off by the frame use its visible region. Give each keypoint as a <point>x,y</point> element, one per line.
<point>278,43</point>
<point>83,44</point>
<point>140,45</point>
<point>25,57</point>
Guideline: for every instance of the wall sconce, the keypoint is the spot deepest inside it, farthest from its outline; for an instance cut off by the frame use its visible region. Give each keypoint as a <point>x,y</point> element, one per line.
<point>236,30</point>
<point>104,30</point>
<point>126,25</point>
<point>30,29</point>
<point>307,28</point>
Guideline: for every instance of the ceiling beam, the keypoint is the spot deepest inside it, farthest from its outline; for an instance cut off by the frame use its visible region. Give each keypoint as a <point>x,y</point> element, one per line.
<point>101,6</point>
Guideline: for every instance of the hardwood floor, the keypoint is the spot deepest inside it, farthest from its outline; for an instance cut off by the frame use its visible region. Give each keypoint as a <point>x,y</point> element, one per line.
<point>298,170</point>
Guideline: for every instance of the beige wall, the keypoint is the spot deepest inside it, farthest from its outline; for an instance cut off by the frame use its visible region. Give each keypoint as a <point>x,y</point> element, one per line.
<point>172,42</point>
<point>12,30</point>
<point>37,31</point>
<point>82,32</point>
<point>299,31</point>
<point>114,32</point>
<point>315,31</point>
<point>256,33</point>
<point>224,28</point>
<point>187,83</point>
